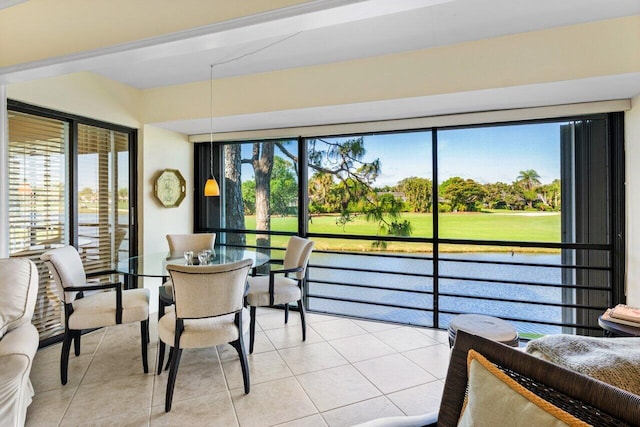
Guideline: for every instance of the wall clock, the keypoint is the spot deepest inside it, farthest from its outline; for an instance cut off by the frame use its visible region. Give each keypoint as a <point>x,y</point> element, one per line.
<point>170,188</point>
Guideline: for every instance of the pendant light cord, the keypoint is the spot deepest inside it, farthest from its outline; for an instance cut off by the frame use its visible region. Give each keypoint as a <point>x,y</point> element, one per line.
<point>211,122</point>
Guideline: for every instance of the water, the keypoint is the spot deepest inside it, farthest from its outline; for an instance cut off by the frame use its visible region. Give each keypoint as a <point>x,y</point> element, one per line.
<point>406,278</point>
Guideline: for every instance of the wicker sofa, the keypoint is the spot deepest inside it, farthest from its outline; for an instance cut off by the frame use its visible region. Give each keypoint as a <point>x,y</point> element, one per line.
<point>18,338</point>
<point>489,383</point>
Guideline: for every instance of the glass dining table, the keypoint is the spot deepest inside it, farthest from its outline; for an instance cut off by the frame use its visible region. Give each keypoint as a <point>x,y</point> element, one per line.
<point>155,264</point>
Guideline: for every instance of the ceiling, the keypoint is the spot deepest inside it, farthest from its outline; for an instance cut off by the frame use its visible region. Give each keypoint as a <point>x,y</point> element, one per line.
<point>339,30</point>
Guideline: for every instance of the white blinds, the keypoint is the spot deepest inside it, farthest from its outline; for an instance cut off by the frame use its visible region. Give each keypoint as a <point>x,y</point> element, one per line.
<point>37,201</point>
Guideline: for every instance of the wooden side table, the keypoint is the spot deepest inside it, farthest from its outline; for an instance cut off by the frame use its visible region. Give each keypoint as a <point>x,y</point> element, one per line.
<point>618,329</point>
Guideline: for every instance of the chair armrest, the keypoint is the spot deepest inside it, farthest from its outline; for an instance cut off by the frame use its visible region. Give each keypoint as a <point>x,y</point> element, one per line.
<point>101,273</point>
<point>285,270</point>
<point>408,421</point>
<point>114,285</point>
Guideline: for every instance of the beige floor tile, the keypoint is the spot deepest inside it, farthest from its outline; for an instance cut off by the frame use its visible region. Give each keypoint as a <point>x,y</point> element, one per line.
<point>110,397</point>
<point>394,372</point>
<point>107,386</point>
<point>199,373</point>
<point>272,403</point>
<point>336,329</point>
<point>261,345</point>
<point>440,335</point>
<point>275,320</point>
<point>361,347</point>
<point>123,363</point>
<point>312,421</point>
<point>404,339</point>
<point>419,400</point>
<point>360,412</point>
<point>433,359</point>
<point>46,376</point>
<point>125,336</point>
<point>263,367</point>
<point>313,318</point>
<point>311,357</point>
<point>372,326</point>
<point>48,407</point>
<point>291,336</point>
<point>335,387</point>
<point>210,410</point>
<point>138,418</point>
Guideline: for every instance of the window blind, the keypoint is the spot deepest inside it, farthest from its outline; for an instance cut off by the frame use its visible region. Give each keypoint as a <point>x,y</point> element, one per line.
<point>38,202</point>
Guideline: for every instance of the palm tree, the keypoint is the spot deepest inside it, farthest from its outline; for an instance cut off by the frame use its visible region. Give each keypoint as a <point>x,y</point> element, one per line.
<point>529,179</point>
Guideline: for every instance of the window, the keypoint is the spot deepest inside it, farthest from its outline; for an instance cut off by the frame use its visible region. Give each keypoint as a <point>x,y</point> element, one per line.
<point>69,183</point>
<point>515,220</point>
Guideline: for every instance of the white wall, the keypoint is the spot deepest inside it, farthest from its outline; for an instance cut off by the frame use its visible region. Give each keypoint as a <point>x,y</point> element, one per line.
<point>632,155</point>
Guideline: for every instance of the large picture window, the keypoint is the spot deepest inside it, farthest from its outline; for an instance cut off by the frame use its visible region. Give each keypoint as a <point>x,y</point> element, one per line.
<point>514,220</point>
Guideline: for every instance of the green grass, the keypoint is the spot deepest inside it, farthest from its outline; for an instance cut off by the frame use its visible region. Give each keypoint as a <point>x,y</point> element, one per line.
<point>489,225</point>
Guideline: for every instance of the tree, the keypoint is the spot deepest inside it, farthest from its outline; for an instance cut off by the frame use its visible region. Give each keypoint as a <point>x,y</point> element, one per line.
<point>417,192</point>
<point>341,160</point>
<point>234,206</point>
<point>529,180</point>
<point>262,162</point>
<point>284,187</point>
<point>463,194</point>
<point>249,196</point>
<point>86,194</point>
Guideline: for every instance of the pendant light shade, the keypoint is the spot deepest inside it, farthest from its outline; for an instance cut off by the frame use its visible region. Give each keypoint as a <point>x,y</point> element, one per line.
<point>211,187</point>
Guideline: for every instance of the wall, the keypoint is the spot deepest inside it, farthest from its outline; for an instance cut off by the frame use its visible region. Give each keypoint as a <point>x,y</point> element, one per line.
<point>632,148</point>
<point>162,149</point>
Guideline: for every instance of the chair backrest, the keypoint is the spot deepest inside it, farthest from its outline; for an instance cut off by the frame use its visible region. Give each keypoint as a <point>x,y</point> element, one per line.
<point>18,292</point>
<point>297,255</point>
<point>67,270</point>
<point>178,243</point>
<point>209,290</point>
<point>585,398</point>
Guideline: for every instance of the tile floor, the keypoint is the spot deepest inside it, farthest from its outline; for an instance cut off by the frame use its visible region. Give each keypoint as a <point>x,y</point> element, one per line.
<point>346,372</point>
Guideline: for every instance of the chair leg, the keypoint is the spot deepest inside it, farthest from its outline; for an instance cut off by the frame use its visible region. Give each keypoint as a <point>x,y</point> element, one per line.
<point>242,354</point>
<point>144,338</point>
<point>175,361</point>
<point>64,358</point>
<point>161,355</point>
<point>286,313</point>
<point>166,368</point>
<point>252,329</point>
<point>304,324</point>
<point>76,342</point>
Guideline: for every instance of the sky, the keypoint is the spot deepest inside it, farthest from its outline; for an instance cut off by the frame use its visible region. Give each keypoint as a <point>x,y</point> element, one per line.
<point>484,154</point>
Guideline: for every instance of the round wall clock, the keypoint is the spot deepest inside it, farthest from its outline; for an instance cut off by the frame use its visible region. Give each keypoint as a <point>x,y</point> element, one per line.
<point>170,188</point>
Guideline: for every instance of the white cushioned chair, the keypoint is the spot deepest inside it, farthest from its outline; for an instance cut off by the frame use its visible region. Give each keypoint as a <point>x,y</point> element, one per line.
<point>278,288</point>
<point>97,310</point>
<point>18,338</point>
<point>178,244</point>
<point>209,310</point>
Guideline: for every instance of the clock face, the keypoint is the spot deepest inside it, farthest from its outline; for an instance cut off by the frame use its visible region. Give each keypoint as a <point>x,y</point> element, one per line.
<point>170,188</point>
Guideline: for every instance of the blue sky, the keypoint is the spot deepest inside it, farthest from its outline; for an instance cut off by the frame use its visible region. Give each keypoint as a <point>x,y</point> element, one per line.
<point>485,154</point>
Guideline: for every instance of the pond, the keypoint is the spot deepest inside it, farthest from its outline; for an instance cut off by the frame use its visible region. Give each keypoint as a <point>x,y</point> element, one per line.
<point>401,281</point>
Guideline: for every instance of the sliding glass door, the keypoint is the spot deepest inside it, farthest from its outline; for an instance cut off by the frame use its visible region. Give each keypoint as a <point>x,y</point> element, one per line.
<point>69,182</point>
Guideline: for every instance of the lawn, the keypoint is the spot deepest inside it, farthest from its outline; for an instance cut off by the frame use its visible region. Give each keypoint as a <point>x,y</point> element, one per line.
<point>488,225</point>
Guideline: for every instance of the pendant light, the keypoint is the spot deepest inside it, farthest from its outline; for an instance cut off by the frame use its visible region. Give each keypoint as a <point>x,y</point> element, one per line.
<point>211,187</point>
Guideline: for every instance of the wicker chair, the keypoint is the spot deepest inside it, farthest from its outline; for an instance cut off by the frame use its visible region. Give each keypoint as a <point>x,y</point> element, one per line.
<point>583,398</point>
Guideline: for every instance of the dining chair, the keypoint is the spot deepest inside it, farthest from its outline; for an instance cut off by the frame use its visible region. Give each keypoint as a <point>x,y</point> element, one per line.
<point>178,244</point>
<point>278,288</point>
<point>209,310</point>
<point>111,306</point>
